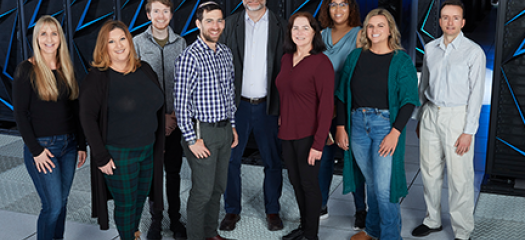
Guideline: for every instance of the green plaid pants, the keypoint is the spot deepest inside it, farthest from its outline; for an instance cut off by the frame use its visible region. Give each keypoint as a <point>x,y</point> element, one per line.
<point>130,185</point>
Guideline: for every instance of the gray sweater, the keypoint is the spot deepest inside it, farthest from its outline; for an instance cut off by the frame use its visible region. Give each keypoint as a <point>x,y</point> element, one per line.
<point>162,60</point>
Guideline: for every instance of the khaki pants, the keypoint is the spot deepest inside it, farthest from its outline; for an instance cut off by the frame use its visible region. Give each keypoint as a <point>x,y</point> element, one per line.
<point>440,127</point>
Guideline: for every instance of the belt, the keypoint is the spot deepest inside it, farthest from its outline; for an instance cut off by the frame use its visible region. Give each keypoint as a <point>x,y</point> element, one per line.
<point>219,124</point>
<point>254,100</point>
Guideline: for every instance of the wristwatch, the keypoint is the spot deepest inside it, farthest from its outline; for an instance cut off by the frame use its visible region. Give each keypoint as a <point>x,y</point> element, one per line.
<point>191,142</point>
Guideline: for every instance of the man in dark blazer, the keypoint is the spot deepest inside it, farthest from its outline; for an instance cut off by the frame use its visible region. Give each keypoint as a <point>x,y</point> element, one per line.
<point>255,34</point>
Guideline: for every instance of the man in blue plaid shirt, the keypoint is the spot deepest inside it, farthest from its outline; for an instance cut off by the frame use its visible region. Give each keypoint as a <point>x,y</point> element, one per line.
<point>205,110</point>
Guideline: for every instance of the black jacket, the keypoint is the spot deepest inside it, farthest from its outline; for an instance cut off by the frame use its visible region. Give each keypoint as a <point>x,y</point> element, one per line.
<point>233,37</point>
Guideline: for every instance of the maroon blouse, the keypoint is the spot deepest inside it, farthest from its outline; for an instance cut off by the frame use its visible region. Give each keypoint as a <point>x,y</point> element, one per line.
<point>306,92</point>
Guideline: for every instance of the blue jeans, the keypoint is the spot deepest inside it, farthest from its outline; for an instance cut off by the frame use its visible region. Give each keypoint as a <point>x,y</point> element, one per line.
<point>248,118</point>
<point>326,172</point>
<point>53,187</point>
<point>369,127</point>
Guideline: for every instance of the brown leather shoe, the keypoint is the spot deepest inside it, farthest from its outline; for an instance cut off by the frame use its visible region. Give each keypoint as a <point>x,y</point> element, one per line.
<point>362,236</point>
<point>229,221</point>
<point>218,237</point>
<point>274,222</point>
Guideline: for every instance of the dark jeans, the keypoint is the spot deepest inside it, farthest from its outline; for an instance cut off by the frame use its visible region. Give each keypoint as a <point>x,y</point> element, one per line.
<point>172,165</point>
<point>53,187</point>
<point>253,117</point>
<point>208,181</point>
<point>304,179</point>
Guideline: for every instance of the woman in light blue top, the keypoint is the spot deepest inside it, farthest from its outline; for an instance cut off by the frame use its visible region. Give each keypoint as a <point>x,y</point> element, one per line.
<point>341,21</point>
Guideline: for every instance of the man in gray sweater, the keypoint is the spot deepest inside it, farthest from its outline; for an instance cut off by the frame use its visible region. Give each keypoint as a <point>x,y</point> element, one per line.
<point>160,46</point>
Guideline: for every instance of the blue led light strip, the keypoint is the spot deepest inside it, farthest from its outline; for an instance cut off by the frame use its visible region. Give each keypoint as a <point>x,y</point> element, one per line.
<point>521,49</point>
<point>318,8</point>
<point>238,6</point>
<point>185,29</point>
<point>81,24</point>
<point>9,48</point>
<point>513,96</point>
<point>425,21</point>
<point>132,27</point>
<point>302,5</point>
<point>516,17</point>
<point>8,12</point>
<point>6,103</point>
<point>511,146</point>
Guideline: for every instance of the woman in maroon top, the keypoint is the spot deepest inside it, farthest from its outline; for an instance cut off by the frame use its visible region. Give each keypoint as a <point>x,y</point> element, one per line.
<point>306,87</point>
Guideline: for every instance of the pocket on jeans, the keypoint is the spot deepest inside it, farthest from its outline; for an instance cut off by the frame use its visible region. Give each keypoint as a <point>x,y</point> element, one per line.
<point>385,115</point>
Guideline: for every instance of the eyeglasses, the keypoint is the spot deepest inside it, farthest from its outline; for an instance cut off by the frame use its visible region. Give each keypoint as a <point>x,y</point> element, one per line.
<point>340,5</point>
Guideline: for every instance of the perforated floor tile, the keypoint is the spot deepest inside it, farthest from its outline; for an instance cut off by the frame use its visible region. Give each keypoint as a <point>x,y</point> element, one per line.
<point>499,217</point>
<point>13,148</point>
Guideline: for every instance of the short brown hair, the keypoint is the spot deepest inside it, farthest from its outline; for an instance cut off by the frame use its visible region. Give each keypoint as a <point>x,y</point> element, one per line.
<point>101,58</point>
<point>163,2</point>
<point>453,3</point>
<point>354,18</point>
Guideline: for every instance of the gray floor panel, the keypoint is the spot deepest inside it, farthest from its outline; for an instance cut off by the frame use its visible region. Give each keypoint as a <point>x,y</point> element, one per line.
<point>13,148</point>
<point>494,206</point>
<point>8,162</point>
<point>8,139</point>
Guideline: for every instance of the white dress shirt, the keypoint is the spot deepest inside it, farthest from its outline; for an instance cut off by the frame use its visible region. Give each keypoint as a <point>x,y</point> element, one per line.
<point>454,75</point>
<point>255,77</point>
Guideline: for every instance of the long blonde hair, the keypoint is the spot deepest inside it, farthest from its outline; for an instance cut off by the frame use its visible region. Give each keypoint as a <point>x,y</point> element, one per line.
<point>43,79</point>
<point>394,40</point>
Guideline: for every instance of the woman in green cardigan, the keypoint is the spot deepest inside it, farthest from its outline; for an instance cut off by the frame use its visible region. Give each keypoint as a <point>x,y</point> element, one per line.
<point>377,93</point>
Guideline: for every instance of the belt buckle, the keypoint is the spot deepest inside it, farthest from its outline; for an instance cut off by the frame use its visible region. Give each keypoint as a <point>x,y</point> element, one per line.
<point>254,100</point>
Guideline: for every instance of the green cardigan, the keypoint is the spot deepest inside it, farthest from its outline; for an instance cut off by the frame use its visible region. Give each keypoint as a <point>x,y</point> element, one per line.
<point>402,89</point>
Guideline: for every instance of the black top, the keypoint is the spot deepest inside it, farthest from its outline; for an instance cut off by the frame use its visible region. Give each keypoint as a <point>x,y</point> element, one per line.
<point>132,102</point>
<point>37,118</point>
<point>370,81</point>
<point>370,88</point>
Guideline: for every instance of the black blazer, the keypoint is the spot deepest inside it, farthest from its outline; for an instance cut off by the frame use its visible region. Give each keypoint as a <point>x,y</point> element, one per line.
<point>233,37</point>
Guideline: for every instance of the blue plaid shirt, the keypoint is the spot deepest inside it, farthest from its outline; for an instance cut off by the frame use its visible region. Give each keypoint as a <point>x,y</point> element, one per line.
<point>204,86</point>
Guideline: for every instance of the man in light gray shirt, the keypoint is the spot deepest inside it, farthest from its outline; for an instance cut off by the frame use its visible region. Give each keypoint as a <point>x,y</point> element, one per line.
<point>451,93</point>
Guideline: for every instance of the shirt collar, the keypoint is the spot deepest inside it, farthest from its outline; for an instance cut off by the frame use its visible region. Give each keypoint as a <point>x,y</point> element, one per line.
<point>203,46</point>
<point>264,18</point>
<point>171,35</point>
<point>455,43</point>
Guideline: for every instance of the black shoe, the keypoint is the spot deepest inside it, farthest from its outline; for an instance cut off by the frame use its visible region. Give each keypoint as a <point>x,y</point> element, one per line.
<point>154,231</point>
<point>295,234</point>
<point>423,230</point>
<point>324,213</point>
<point>360,220</point>
<point>179,231</point>
<point>229,222</point>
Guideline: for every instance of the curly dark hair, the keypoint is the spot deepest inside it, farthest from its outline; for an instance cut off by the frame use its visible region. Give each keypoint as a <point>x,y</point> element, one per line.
<point>354,18</point>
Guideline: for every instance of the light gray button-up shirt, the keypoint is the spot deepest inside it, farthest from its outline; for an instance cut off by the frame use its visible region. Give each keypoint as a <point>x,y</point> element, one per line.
<point>255,76</point>
<point>454,75</point>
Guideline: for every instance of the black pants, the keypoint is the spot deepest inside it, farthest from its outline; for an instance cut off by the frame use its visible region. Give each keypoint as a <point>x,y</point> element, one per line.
<point>305,182</point>
<point>172,165</point>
